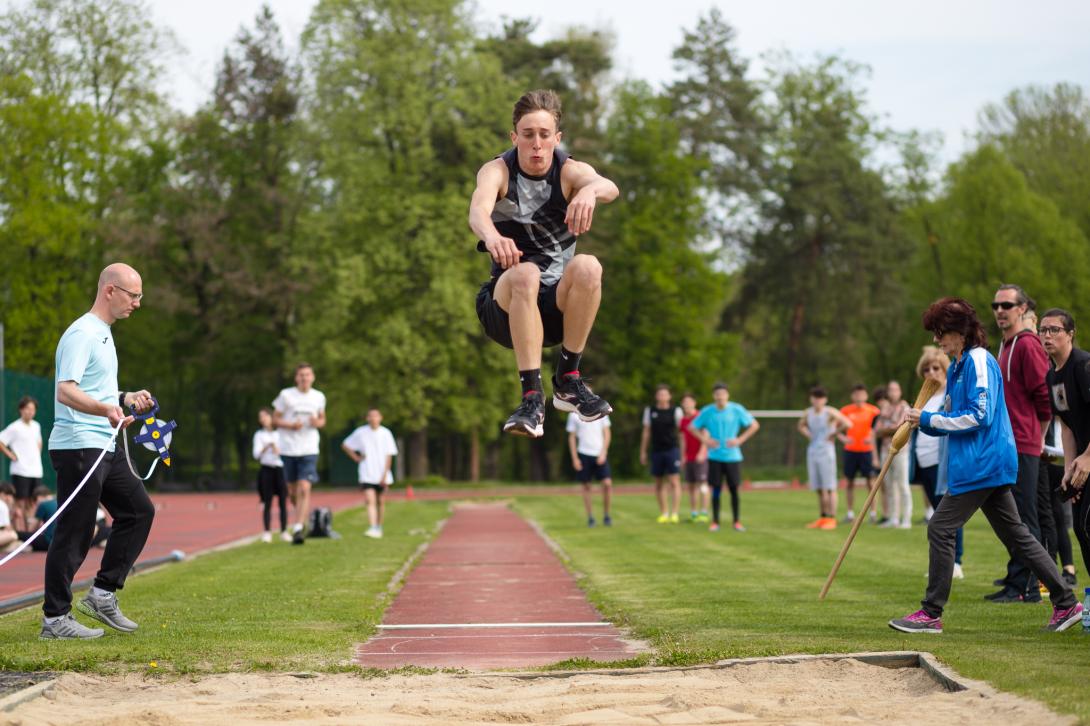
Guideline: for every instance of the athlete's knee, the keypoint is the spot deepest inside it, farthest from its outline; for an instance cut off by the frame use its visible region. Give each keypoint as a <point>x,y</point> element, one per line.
<point>525,279</point>
<point>607,483</point>
<point>585,271</point>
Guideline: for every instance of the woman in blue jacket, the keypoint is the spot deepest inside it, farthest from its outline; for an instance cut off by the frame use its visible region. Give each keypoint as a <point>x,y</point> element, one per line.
<point>981,465</point>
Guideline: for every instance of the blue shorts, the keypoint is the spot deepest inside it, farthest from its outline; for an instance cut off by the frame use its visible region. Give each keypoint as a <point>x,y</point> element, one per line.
<point>592,470</point>
<point>665,463</point>
<point>297,468</point>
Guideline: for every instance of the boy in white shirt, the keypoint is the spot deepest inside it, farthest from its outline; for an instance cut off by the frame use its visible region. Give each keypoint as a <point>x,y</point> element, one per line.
<point>373,448</point>
<point>9,538</point>
<point>298,413</point>
<point>588,442</point>
<point>21,442</point>
<point>270,478</point>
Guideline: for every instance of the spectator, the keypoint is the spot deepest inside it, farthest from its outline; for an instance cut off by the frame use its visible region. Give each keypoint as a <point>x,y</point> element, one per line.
<point>899,511</point>
<point>820,424</point>
<point>588,443</point>
<point>859,449</point>
<point>660,431</point>
<point>695,459</point>
<point>373,448</point>
<point>299,412</point>
<point>270,477</point>
<point>21,442</point>
<point>724,427</point>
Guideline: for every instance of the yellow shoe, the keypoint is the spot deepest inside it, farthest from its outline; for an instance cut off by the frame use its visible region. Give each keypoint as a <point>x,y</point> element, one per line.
<point>663,519</point>
<point>674,519</point>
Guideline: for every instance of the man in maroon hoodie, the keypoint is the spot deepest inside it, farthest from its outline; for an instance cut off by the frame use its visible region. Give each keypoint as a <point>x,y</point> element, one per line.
<point>1024,365</point>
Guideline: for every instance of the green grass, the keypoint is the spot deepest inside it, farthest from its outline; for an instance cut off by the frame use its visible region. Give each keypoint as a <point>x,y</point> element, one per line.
<point>698,597</point>
<point>273,607</point>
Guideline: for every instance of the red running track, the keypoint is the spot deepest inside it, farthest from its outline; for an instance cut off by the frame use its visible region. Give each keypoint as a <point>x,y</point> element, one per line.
<point>188,522</point>
<point>500,597</point>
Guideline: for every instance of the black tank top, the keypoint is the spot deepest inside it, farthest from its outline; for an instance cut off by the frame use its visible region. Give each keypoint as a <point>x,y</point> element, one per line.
<point>532,214</point>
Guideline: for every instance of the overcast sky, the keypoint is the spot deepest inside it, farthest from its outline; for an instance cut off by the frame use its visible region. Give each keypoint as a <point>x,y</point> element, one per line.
<point>934,64</point>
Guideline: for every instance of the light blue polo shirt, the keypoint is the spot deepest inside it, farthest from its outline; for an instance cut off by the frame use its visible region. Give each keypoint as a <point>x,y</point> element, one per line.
<point>86,355</point>
<point>723,425</point>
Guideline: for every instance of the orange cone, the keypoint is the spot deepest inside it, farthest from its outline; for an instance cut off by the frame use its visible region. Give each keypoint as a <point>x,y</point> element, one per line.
<point>409,492</point>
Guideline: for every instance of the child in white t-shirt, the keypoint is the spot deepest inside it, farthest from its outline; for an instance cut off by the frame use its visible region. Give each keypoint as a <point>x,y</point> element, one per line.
<point>270,478</point>
<point>588,442</point>
<point>373,448</point>
<point>21,442</point>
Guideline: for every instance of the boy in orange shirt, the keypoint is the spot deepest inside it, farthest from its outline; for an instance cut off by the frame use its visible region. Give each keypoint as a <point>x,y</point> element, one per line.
<point>859,449</point>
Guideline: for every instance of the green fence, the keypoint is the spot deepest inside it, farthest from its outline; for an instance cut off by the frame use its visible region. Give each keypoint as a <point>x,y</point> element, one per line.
<point>15,386</point>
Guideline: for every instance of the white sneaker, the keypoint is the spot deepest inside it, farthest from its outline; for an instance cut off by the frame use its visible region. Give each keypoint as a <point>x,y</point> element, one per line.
<point>373,532</point>
<point>266,536</point>
<point>958,574</point>
<point>297,527</point>
<point>285,536</point>
<point>905,525</point>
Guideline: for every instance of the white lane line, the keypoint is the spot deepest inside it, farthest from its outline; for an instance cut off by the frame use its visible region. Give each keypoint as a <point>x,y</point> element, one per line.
<point>438,626</point>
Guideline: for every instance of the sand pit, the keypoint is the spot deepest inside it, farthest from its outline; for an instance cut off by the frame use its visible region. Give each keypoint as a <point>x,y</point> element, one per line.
<point>817,691</point>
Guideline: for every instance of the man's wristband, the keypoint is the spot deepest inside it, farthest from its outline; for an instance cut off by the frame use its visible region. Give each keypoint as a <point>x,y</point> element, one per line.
<point>121,399</point>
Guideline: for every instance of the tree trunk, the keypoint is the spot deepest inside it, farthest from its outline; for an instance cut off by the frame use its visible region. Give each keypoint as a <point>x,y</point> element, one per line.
<point>474,455</point>
<point>418,454</point>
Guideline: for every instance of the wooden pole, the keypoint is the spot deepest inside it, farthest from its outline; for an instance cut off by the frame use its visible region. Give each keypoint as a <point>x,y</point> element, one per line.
<point>900,438</point>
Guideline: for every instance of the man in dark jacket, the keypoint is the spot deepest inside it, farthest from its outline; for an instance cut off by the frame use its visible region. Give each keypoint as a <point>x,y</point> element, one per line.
<point>1024,365</point>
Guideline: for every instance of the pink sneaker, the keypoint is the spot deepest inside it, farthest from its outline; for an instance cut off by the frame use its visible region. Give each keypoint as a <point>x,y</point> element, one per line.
<point>714,527</point>
<point>917,622</point>
<point>1062,619</point>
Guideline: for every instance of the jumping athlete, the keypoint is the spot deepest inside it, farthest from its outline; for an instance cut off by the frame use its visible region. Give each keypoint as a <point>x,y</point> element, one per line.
<point>529,206</point>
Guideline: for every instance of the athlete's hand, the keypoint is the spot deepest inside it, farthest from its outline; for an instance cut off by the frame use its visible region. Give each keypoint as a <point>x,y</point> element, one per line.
<point>141,400</point>
<point>601,459</point>
<point>1076,474</point>
<point>643,458</point>
<point>504,251</point>
<point>733,443</point>
<point>581,211</point>
<point>577,464</point>
<point>912,415</point>
<point>712,443</point>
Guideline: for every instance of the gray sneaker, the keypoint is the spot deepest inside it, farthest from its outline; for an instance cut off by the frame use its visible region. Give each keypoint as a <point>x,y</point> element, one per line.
<point>68,628</point>
<point>105,610</point>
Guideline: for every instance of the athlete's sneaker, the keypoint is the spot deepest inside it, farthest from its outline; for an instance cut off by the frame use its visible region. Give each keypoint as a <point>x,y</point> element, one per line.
<point>591,522</point>
<point>829,523</point>
<point>917,622</point>
<point>529,418</point>
<point>848,518</point>
<point>713,527</point>
<point>674,519</point>
<point>266,536</point>
<point>738,527</point>
<point>104,609</point>
<point>607,521</point>
<point>816,524</point>
<point>1064,618</point>
<point>571,393</point>
<point>373,533</point>
<point>68,628</point>
<point>958,573</point>
<point>692,517</point>
<point>703,518</point>
<point>285,536</point>
<point>663,519</point>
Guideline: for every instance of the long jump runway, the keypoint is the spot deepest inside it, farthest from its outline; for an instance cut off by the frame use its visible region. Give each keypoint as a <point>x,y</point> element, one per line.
<point>490,593</point>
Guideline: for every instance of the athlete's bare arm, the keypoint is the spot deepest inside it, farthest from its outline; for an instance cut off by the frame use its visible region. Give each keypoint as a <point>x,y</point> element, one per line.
<point>491,186</point>
<point>584,188</point>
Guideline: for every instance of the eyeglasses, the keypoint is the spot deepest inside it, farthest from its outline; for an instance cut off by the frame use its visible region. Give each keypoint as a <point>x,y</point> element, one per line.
<point>136,296</point>
<point>932,368</point>
<point>1050,330</point>
<point>1006,305</point>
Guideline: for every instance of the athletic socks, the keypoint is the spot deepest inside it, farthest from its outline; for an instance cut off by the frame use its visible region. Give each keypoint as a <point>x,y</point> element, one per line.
<point>567,362</point>
<point>531,381</point>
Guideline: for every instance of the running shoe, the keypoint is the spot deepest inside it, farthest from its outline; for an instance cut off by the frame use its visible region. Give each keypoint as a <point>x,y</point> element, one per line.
<point>68,628</point>
<point>713,527</point>
<point>104,609</point>
<point>1064,618</point>
<point>692,517</point>
<point>266,536</point>
<point>571,393</point>
<point>674,519</point>
<point>285,536</point>
<point>529,418</point>
<point>607,521</point>
<point>373,533</point>
<point>829,523</point>
<point>816,524</point>
<point>917,622</point>
<point>886,522</point>
<point>848,518</point>
<point>738,527</point>
<point>958,573</point>
<point>663,519</point>
<point>591,522</point>
<point>703,518</point>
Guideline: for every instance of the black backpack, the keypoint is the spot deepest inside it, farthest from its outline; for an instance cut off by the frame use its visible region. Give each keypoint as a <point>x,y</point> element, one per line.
<point>321,522</point>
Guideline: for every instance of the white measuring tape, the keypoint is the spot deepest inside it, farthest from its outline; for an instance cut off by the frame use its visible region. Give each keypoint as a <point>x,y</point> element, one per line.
<point>86,478</point>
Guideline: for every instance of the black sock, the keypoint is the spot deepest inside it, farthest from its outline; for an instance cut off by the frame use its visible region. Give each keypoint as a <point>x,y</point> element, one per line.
<point>567,362</point>
<point>531,381</point>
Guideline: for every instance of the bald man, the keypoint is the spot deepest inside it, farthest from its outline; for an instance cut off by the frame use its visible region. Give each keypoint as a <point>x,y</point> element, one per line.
<point>89,406</point>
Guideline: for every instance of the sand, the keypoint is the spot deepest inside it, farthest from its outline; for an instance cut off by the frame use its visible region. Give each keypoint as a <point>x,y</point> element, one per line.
<point>812,692</point>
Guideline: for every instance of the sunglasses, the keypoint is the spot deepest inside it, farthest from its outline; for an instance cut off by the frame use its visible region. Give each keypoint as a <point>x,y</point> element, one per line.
<point>1006,305</point>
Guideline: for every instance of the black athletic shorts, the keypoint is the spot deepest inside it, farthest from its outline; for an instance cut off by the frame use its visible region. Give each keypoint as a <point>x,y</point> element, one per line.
<point>271,483</point>
<point>497,325</point>
<point>24,486</point>
<point>857,463</point>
